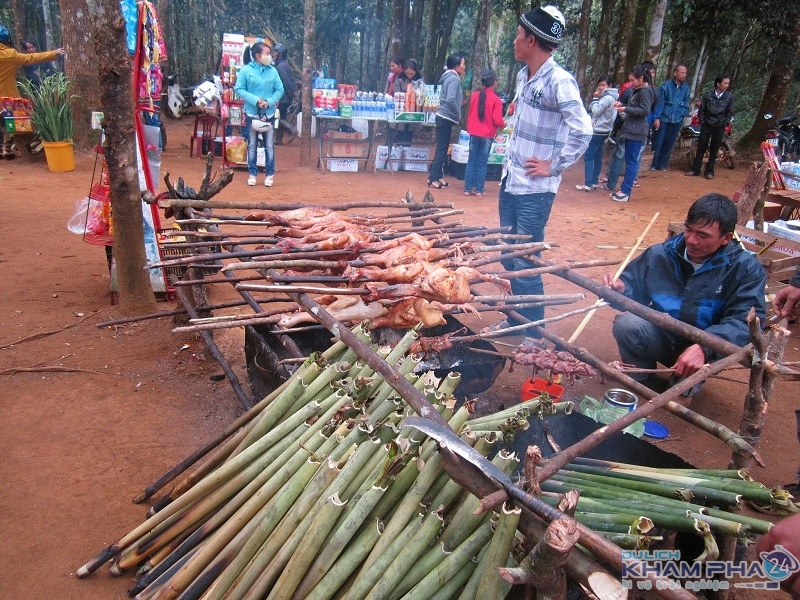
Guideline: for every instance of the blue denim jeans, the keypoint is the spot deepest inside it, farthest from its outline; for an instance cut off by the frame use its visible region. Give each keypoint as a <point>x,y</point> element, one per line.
<point>593,159</point>
<point>615,165</point>
<point>475,176</point>
<point>525,214</point>
<point>252,149</point>
<point>663,142</point>
<point>444,130</point>
<point>633,154</point>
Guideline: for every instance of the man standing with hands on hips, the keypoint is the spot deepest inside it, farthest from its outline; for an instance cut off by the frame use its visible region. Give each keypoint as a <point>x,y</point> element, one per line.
<point>259,85</point>
<point>551,130</point>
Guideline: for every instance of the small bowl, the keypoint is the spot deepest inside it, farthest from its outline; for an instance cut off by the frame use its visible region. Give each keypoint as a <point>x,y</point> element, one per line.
<point>621,398</point>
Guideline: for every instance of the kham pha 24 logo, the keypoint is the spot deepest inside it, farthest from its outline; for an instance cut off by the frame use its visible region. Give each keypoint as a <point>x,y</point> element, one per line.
<point>775,566</point>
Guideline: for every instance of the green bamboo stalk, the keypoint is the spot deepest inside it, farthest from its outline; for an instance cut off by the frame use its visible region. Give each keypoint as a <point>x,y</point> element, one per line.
<point>393,572</point>
<point>228,550</point>
<point>479,563</point>
<point>740,474</point>
<point>464,520</point>
<point>342,534</point>
<point>491,584</point>
<point>664,489</point>
<point>277,551</point>
<point>260,471</point>
<point>250,565</point>
<point>261,526</point>
<point>347,563</point>
<point>629,541</point>
<point>451,490</point>
<point>457,583</point>
<point>447,568</point>
<point>645,501</point>
<point>307,549</point>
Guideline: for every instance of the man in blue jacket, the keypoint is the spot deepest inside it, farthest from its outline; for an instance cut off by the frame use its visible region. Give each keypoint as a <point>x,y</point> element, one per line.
<point>259,85</point>
<point>672,106</point>
<point>702,277</point>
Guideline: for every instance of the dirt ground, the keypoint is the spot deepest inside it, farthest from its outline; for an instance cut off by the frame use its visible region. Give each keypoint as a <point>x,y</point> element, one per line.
<point>78,445</point>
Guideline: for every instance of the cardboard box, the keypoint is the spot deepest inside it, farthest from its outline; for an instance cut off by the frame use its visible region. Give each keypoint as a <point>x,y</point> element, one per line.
<point>382,161</point>
<point>498,148</point>
<point>349,165</point>
<point>416,159</point>
<point>463,138</point>
<point>343,135</point>
<point>781,229</point>
<point>460,154</point>
<point>348,149</point>
<point>410,117</point>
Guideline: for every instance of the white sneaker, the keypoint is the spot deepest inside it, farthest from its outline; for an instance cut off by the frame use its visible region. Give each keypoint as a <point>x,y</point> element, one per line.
<point>251,180</point>
<point>268,181</point>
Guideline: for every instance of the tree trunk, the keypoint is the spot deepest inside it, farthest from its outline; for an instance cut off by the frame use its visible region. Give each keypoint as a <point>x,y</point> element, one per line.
<point>600,63</point>
<point>47,19</point>
<point>306,147</point>
<point>637,38</point>
<point>699,67</point>
<point>656,31</point>
<point>416,27</point>
<point>80,67</point>
<point>431,37</point>
<point>116,93</point>
<point>479,57</point>
<point>396,30</point>
<point>19,22</point>
<point>380,60</point>
<point>581,70</point>
<point>444,42</point>
<point>623,60</point>
<point>778,86</point>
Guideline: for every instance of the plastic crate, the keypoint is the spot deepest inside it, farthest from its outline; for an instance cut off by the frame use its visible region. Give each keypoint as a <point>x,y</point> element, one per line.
<point>493,172</point>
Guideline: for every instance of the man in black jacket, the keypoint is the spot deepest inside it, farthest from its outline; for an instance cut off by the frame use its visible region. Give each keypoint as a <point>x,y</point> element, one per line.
<point>289,89</point>
<point>715,114</point>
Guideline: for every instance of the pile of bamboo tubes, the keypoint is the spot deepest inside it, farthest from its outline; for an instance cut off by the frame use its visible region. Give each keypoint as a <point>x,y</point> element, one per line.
<point>320,495</point>
<point>318,491</point>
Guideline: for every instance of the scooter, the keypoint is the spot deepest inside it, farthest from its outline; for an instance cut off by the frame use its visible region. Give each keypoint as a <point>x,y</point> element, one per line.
<point>726,154</point>
<point>784,135</point>
<point>175,101</point>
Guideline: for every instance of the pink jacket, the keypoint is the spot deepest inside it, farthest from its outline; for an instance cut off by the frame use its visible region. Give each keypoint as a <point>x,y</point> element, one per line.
<point>492,116</point>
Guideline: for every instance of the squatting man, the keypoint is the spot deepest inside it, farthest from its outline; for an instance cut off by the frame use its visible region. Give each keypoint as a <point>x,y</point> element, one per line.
<point>703,277</point>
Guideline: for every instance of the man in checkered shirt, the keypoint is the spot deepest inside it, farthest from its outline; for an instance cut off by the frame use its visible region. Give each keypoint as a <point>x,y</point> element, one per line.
<point>551,131</point>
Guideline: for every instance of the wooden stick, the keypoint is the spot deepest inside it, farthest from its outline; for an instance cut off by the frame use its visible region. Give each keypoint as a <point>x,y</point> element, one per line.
<point>735,442</point>
<point>167,202</point>
<point>621,268</point>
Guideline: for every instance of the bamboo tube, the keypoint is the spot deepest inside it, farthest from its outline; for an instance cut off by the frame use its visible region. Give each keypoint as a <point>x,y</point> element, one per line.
<point>456,583</point>
<point>491,585</point>
<point>629,541</point>
<point>246,566</point>
<point>344,532</point>
<point>308,548</point>
<point>273,556</point>
<point>346,564</point>
<point>447,568</point>
<point>468,590</point>
<point>621,268</point>
<point>386,572</point>
<point>166,529</point>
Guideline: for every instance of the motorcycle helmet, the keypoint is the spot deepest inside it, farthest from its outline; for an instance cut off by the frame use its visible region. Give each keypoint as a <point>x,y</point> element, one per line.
<point>260,126</point>
<point>280,49</point>
<point>5,35</point>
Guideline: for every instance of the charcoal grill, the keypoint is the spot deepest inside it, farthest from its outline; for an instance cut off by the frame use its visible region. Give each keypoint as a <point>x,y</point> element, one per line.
<point>264,353</point>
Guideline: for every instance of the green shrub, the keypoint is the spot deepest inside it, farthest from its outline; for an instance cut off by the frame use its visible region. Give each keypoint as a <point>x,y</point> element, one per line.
<point>51,115</point>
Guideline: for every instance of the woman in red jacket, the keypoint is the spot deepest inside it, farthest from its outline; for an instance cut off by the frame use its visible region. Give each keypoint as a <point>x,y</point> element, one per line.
<point>485,117</point>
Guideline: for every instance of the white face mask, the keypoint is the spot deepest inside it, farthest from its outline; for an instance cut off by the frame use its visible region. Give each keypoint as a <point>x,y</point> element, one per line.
<point>265,59</point>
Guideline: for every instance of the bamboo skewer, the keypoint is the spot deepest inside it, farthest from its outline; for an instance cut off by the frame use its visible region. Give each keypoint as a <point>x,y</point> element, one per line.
<point>621,268</point>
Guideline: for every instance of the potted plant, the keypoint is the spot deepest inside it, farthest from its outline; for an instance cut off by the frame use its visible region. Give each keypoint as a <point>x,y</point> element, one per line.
<point>51,116</point>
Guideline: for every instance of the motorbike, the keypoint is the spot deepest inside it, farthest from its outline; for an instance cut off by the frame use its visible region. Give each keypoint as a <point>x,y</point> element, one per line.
<point>175,100</point>
<point>784,136</point>
<point>691,133</point>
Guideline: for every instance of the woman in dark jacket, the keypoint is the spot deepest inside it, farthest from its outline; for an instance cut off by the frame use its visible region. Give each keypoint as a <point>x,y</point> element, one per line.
<point>634,127</point>
<point>447,115</point>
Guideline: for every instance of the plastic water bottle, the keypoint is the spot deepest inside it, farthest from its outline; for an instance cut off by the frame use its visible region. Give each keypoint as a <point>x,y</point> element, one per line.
<point>389,108</point>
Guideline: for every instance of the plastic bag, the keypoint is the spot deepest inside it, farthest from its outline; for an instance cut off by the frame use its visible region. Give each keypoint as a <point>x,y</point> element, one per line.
<point>236,150</point>
<point>92,220</point>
